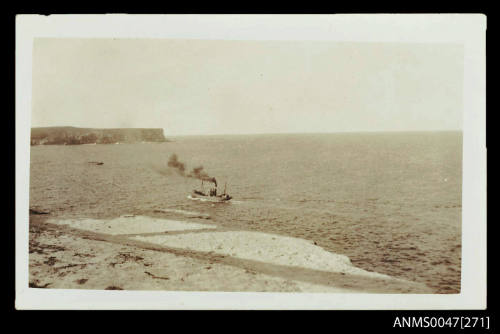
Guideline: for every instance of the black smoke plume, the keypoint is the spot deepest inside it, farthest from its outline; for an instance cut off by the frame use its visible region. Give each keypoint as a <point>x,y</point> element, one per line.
<point>197,172</point>
<point>173,162</point>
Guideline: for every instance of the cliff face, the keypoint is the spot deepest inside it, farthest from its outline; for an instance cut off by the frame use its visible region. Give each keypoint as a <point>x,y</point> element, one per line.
<point>76,136</point>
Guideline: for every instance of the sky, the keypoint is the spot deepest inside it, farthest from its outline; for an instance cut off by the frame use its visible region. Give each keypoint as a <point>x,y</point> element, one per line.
<point>206,87</point>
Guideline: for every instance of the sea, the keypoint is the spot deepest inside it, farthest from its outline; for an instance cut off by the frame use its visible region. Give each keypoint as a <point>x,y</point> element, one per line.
<point>391,202</point>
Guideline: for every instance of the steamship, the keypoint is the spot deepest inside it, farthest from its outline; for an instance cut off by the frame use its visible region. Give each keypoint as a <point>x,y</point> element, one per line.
<point>211,195</point>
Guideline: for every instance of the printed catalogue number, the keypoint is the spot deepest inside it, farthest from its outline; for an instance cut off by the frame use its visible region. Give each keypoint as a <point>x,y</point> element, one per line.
<point>440,322</point>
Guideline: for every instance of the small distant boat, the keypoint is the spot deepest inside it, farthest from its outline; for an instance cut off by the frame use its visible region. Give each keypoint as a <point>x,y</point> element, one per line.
<point>211,195</point>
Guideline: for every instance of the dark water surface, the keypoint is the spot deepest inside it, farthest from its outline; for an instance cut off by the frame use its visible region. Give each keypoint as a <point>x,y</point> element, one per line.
<point>389,201</point>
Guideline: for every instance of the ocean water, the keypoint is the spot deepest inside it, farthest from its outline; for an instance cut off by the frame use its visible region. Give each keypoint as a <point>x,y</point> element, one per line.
<point>391,202</point>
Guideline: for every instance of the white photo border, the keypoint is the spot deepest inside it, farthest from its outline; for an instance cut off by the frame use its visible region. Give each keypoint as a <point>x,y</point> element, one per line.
<point>468,30</point>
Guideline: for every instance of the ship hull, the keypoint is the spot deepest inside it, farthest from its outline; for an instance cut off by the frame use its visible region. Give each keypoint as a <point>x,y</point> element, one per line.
<point>214,199</point>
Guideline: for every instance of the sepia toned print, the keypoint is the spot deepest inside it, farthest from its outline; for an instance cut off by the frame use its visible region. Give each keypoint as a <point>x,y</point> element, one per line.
<point>246,166</point>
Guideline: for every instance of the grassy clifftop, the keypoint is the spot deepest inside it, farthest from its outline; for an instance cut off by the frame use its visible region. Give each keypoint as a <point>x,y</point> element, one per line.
<point>68,135</point>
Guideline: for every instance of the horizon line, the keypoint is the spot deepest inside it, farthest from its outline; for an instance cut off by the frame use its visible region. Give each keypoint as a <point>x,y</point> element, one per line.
<point>254,133</point>
<point>312,133</point>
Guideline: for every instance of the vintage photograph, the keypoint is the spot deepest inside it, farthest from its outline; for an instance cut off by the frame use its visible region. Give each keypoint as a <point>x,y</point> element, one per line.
<point>210,164</point>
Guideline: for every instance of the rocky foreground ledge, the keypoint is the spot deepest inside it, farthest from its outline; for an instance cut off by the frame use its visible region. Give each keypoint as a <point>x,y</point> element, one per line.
<point>148,253</point>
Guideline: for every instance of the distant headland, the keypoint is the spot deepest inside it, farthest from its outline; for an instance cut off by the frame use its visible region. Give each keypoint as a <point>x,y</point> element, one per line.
<point>68,135</point>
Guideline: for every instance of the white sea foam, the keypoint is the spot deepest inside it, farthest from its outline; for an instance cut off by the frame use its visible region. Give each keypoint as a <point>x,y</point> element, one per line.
<point>184,212</point>
<point>130,225</point>
<point>263,247</point>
